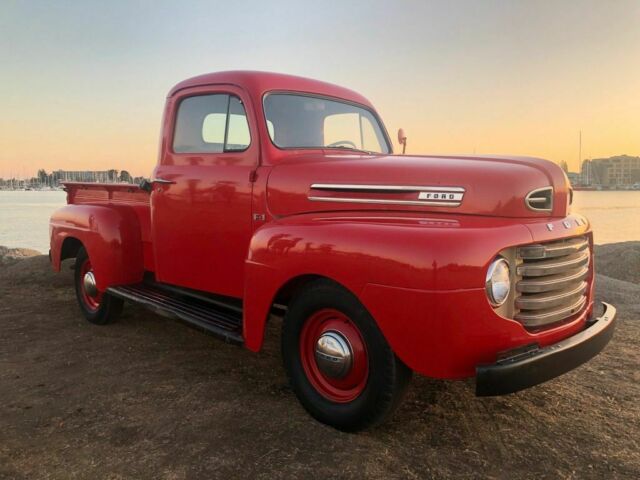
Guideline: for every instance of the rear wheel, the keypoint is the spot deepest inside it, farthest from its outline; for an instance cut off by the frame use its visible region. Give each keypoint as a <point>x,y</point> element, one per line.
<point>340,366</point>
<point>97,307</point>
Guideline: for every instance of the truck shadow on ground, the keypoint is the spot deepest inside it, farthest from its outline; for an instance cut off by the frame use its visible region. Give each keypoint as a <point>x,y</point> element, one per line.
<point>148,397</point>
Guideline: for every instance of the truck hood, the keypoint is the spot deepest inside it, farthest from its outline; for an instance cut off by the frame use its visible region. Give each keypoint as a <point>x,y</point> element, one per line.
<point>472,185</point>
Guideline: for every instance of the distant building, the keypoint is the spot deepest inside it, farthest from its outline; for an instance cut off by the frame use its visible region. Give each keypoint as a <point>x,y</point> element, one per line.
<point>619,171</point>
<point>574,178</point>
<point>105,176</point>
<point>44,180</point>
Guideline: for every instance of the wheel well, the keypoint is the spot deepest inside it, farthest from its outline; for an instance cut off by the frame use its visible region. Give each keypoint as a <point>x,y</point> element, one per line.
<point>70,248</point>
<point>293,286</point>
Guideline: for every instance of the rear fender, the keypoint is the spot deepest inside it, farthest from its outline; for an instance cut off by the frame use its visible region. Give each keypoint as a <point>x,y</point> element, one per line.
<point>110,234</point>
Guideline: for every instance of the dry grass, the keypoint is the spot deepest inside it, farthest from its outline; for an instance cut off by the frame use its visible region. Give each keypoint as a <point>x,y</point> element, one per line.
<point>150,398</point>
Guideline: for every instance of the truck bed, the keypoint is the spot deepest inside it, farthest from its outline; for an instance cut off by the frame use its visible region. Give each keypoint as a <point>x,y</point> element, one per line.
<point>109,193</point>
<point>118,196</point>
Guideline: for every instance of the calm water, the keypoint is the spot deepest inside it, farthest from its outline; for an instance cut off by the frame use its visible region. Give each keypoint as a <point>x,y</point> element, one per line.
<point>24,216</point>
<point>614,216</point>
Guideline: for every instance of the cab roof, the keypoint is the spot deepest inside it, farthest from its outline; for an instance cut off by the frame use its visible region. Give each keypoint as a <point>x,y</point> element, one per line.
<point>259,83</point>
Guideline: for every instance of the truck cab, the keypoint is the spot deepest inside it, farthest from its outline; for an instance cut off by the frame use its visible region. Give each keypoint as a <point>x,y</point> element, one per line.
<point>276,194</point>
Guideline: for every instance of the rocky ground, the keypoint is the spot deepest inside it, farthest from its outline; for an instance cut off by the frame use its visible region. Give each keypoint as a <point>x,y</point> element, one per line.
<point>9,256</point>
<point>619,260</point>
<point>148,398</point>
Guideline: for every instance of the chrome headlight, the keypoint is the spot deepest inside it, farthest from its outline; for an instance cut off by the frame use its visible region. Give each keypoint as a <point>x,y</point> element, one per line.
<point>498,282</point>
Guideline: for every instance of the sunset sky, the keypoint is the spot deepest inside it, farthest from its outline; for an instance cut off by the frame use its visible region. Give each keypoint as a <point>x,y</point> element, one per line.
<point>82,84</point>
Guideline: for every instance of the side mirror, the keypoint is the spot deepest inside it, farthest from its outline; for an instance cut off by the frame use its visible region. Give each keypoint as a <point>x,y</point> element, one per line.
<point>402,140</point>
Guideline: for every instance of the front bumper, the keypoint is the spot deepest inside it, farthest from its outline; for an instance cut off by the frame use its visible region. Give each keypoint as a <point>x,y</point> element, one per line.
<point>525,367</point>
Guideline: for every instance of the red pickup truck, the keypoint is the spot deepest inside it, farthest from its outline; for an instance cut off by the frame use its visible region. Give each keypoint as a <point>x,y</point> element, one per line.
<point>280,194</point>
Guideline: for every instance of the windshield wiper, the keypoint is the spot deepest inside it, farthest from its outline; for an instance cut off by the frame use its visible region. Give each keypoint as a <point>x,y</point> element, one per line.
<point>344,147</point>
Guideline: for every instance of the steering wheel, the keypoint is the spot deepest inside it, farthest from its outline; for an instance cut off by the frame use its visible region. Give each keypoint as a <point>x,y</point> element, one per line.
<point>348,143</point>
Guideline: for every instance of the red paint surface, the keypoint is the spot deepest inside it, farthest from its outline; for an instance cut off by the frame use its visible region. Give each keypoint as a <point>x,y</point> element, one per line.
<point>241,224</point>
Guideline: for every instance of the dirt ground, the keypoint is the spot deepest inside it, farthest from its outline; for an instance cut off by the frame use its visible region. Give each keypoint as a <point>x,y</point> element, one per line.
<point>149,398</point>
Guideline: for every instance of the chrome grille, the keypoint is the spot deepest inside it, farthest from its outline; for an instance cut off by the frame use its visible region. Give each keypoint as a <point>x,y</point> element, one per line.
<point>552,281</point>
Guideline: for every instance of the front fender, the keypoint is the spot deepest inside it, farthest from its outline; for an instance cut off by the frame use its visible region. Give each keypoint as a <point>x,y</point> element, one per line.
<point>418,253</point>
<point>110,234</point>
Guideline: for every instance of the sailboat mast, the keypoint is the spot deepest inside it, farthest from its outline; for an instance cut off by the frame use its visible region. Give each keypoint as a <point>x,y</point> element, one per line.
<point>580,149</point>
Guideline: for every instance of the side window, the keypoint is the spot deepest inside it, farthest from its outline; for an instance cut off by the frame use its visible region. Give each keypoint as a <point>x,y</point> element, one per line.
<point>238,137</point>
<point>211,124</point>
<point>213,127</point>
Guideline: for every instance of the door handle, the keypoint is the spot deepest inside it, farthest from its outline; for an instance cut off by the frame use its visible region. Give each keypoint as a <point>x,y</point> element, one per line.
<point>162,180</point>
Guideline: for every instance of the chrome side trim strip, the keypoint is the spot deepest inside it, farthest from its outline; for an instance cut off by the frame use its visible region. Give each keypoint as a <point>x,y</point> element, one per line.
<point>384,188</point>
<point>386,202</point>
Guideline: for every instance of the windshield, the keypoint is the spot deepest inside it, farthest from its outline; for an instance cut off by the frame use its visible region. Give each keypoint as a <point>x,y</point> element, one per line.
<point>303,121</point>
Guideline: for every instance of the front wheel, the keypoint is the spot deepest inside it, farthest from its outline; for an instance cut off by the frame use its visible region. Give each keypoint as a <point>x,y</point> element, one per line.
<point>97,307</point>
<point>341,367</point>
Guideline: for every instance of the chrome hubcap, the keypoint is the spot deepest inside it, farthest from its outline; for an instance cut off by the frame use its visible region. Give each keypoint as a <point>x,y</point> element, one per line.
<point>333,355</point>
<point>89,283</point>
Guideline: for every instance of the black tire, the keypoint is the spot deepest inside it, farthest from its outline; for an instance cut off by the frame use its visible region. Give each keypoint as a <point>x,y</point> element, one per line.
<point>107,309</point>
<point>387,376</point>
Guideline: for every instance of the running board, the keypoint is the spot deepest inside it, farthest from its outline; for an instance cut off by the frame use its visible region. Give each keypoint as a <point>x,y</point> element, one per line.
<point>207,316</point>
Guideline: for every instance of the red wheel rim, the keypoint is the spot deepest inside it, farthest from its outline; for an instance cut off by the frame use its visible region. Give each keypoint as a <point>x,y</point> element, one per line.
<point>351,385</point>
<point>92,303</point>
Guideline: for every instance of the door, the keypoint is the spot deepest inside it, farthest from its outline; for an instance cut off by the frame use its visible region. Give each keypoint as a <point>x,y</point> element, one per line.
<point>201,199</point>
